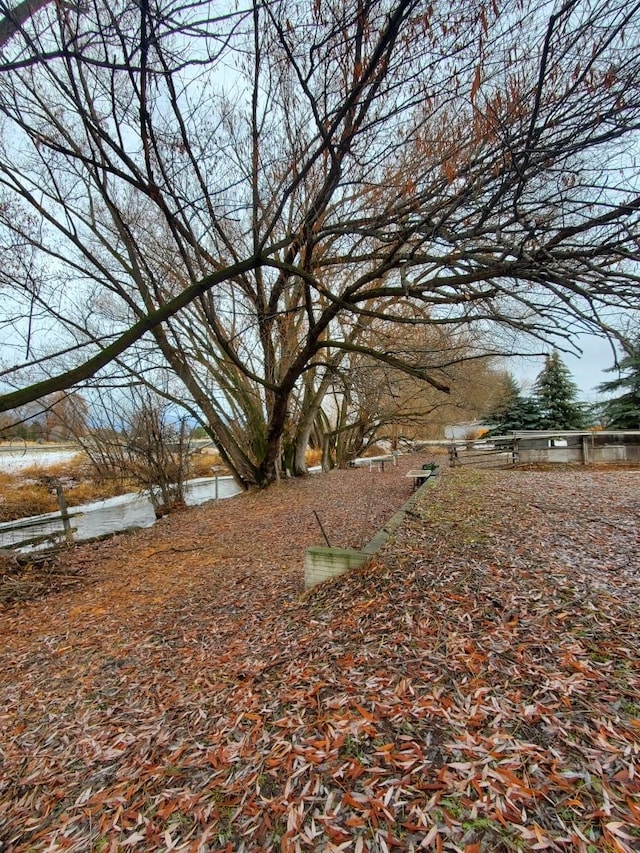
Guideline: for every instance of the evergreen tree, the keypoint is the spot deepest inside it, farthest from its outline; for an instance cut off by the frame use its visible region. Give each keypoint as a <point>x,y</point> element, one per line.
<point>513,411</point>
<point>623,411</point>
<point>556,394</point>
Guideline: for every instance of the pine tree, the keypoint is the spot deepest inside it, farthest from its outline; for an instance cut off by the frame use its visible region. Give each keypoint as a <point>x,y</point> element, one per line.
<point>513,411</point>
<point>623,412</point>
<point>556,394</point>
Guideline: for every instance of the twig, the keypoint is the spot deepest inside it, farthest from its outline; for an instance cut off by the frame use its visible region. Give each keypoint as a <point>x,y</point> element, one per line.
<point>326,539</point>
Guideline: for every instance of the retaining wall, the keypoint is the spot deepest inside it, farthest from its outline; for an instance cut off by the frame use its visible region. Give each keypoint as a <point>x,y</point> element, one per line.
<point>322,562</point>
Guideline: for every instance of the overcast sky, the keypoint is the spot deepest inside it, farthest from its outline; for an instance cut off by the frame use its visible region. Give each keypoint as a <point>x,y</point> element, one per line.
<point>587,369</point>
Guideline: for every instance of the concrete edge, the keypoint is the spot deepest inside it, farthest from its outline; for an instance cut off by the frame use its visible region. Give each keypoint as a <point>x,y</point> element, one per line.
<point>383,535</point>
<point>322,563</point>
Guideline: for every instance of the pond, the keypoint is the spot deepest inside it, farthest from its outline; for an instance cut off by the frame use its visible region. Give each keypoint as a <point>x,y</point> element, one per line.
<point>113,514</point>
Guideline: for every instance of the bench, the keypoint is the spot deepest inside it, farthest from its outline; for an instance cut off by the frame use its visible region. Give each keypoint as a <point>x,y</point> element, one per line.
<point>376,462</point>
<point>421,475</point>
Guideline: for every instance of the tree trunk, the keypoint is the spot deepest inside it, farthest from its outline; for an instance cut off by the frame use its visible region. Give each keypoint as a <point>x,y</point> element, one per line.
<point>244,471</point>
<point>327,461</point>
<point>312,405</point>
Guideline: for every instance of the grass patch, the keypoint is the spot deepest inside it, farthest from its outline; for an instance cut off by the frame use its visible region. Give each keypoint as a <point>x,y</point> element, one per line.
<point>32,490</point>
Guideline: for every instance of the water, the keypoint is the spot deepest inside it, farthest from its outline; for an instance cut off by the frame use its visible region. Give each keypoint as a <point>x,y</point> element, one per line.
<point>114,514</point>
<point>99,518</point>
<point>16,457</point>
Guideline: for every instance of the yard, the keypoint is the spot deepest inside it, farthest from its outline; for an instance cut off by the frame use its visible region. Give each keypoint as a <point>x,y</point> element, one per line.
<point>475,688</point>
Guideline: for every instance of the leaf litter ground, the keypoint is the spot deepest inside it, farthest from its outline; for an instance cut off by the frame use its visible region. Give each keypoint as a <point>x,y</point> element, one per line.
<point>475,688</point>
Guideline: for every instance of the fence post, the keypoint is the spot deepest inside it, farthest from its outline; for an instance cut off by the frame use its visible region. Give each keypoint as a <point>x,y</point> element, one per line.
<point>64,514</point>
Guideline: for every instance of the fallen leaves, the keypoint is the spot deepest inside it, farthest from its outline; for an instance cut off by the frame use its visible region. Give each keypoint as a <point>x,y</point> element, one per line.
<point>475,688</point>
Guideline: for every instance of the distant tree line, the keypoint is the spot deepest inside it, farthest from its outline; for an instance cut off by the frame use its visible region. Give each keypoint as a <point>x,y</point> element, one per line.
<point>554,403</point>
<point>623,411</point>
<point>58,417</point>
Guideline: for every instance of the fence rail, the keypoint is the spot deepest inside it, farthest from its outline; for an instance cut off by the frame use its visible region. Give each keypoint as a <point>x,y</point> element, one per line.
<point>481,455</point>
<point>56,527</point>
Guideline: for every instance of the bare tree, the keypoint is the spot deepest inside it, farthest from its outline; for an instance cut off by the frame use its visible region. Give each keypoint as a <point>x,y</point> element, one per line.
<point>373,402</point>
<point>237,197</point>
<point>15,16</point>
<point>60,416</point>
<point>135,437</point>
<point>65,415</point>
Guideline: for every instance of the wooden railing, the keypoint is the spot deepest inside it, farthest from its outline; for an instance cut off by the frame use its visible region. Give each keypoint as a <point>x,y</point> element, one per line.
<point>59,527</point>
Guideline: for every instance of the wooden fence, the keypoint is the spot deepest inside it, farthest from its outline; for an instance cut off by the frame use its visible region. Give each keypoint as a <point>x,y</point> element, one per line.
<point>482,454</point>
<point>55,528</point>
